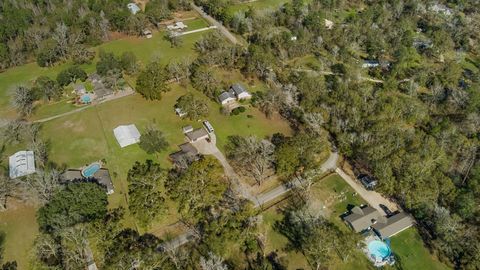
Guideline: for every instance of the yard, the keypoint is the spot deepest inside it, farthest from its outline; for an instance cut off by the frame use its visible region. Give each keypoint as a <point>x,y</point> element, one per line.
<point>337,196</point>
<point>145,50</point>
<point>256,5</point>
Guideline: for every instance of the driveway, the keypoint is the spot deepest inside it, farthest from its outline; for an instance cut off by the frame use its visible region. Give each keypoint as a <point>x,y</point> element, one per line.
<point>216,23</point>
<point>373,198</point>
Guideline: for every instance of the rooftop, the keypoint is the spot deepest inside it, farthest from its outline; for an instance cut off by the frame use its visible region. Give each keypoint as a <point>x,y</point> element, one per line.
<point>21,163</point>
<point>387,227</point>
<point>362,218</point>
<point>197,134</point>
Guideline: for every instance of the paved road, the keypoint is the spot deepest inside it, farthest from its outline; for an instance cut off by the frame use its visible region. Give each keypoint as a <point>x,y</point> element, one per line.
<point>216,23</point>
<point>373,198</point>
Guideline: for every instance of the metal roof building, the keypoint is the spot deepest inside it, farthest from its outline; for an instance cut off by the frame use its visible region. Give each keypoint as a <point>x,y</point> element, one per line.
<point>21,163</point>
<point>127,135</point>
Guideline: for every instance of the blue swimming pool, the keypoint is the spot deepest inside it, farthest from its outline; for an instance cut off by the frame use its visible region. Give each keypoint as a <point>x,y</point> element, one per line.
<point>379,250</point>
<point>91,169</point>
<point>86,99</point>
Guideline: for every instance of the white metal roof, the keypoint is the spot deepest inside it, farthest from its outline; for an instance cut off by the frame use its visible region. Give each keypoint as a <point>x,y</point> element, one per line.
<point>126,135</point>
<point>21,163</point>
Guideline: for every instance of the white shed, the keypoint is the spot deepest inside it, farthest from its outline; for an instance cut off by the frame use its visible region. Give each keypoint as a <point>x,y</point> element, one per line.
<point>21,163</point>
<point>126,135</point>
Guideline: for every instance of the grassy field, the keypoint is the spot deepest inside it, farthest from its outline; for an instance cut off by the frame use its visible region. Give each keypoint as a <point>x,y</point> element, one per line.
<point>20,227</point>
<point>338,196</point>
<point>145,50</point>
<point>256,5</point>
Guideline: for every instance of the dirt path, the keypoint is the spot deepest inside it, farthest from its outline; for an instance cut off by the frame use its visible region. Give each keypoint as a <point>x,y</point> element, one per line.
<point>216,23</point>
<point>373,198</point>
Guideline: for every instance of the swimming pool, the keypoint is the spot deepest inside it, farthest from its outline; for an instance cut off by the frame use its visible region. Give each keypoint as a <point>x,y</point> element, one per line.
<point>379,250</point>
<point>91,169</point>
<point>86,99</point>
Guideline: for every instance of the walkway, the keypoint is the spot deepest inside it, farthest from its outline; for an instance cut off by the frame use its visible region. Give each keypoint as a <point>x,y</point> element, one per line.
<point>216,23</point>
<point>118,95</point>
<point>373,198</point>
<point>195,31</point>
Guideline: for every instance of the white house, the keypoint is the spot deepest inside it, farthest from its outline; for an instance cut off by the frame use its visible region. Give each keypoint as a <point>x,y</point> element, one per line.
<point>226,97</point>
<point>127,135</point>
<point>21,163</point>
<point>134,8</point>
<point>177,26</point>
<point>240,92</point>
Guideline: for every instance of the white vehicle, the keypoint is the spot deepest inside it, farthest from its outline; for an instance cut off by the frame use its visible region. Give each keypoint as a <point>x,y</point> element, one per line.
<point>208,126</point>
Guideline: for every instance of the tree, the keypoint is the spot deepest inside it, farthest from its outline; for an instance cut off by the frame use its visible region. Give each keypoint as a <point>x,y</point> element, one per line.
<point>81,55</point>
<point>153,141</point>
<point>251,156</point>
<point>179,69</point>
<point>204,80</point>
<point>195,108</point>
<point>152,81</point>
<point>108,61</point>
<point>71,74</point>
<point>200,187</point>
<point>212,262</point>
<point>128,61</point>
<point>146,200</point>
<point>112,79</point>
<point>44,184</point>
<point>46,88</point>
<point>23,99</point>
<point>77,203</point>
<point>174,39</point>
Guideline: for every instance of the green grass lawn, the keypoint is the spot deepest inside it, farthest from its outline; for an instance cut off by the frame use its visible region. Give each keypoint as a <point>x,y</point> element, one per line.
<point>256,5</point>
<point>412,253</point>
<point>20,227</point>
<point>145,50</point>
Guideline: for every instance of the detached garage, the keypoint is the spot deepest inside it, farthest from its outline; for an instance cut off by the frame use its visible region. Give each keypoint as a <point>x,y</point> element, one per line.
<point>127,135</point>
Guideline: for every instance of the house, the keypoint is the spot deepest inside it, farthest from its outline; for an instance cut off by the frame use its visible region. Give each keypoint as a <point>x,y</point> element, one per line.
<point>361,219</point>
<point>367,181</point>
<point>187,129</point>
<point>370,64</point>
<point>134,8</point>
<point>79,89</point>
<point>21,163</point>
<point>197,135</point>
<point>186,155</point>
<point>388,227</point>
<point>328,24</point>
<point>102,177</point>
<point>147,33</point>
<point>240,92</point>
<point>226,98</point>
<point>95,78</point>
<point>100,90</point>
<point>178,26</point>
<point>180,112</point>
<point>127,135</point>
<point>208,126</point>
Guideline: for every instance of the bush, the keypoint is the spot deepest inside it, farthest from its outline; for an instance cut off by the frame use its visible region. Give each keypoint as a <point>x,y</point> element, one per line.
<point>238,110</point>
<point>71,74</point>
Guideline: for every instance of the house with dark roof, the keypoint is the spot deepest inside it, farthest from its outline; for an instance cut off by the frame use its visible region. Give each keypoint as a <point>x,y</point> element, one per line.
<point>197,134</point>
<point>361,219</point>
<point>102,177</point>
<point>186,155</point>
<point>388,227</point>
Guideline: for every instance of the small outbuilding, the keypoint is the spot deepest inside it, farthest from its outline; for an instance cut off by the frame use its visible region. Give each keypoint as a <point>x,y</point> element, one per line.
<point>180,112</point>
<point>127,135</point>
<point>147,33</point>
<point>187,129</point>
<point>134,8</point>
<point>21,163</point>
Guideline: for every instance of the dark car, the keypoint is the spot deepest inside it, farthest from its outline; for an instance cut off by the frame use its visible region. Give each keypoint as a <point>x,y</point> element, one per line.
<point>367,181</point>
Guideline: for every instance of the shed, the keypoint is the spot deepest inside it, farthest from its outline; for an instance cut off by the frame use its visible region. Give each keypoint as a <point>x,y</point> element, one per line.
<point>197,134</point>
<point>361,219</point>
<point>187,129</point>
<point>387,227</point>
<point>180,112</point>
<point>134,8</point>
<point>127,135</point>
<point>147,33</point>
<point>21,163</point>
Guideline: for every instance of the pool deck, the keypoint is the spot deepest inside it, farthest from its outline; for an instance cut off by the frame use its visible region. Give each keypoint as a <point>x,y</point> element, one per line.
<point>377,263</point>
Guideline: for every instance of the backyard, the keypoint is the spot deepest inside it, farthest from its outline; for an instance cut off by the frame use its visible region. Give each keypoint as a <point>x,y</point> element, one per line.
<point>337,196</point>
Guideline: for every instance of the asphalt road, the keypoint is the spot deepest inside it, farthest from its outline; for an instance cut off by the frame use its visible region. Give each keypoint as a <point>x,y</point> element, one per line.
<point>216,23</point>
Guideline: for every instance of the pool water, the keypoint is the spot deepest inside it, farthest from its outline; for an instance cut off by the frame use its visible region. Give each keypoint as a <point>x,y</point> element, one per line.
<point>86,99</point>
<point>91,169</point>
<point>379,250</point>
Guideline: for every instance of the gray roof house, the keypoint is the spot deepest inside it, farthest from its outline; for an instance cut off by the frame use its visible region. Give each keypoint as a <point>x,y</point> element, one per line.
<point>361,219</point>
<point>226,97</point>
<point>387,227</point>
<point>240,92</point>
<point>102,176</point>
<point>197,134</point>
<point>79,89</point>
<point>187,154</point>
